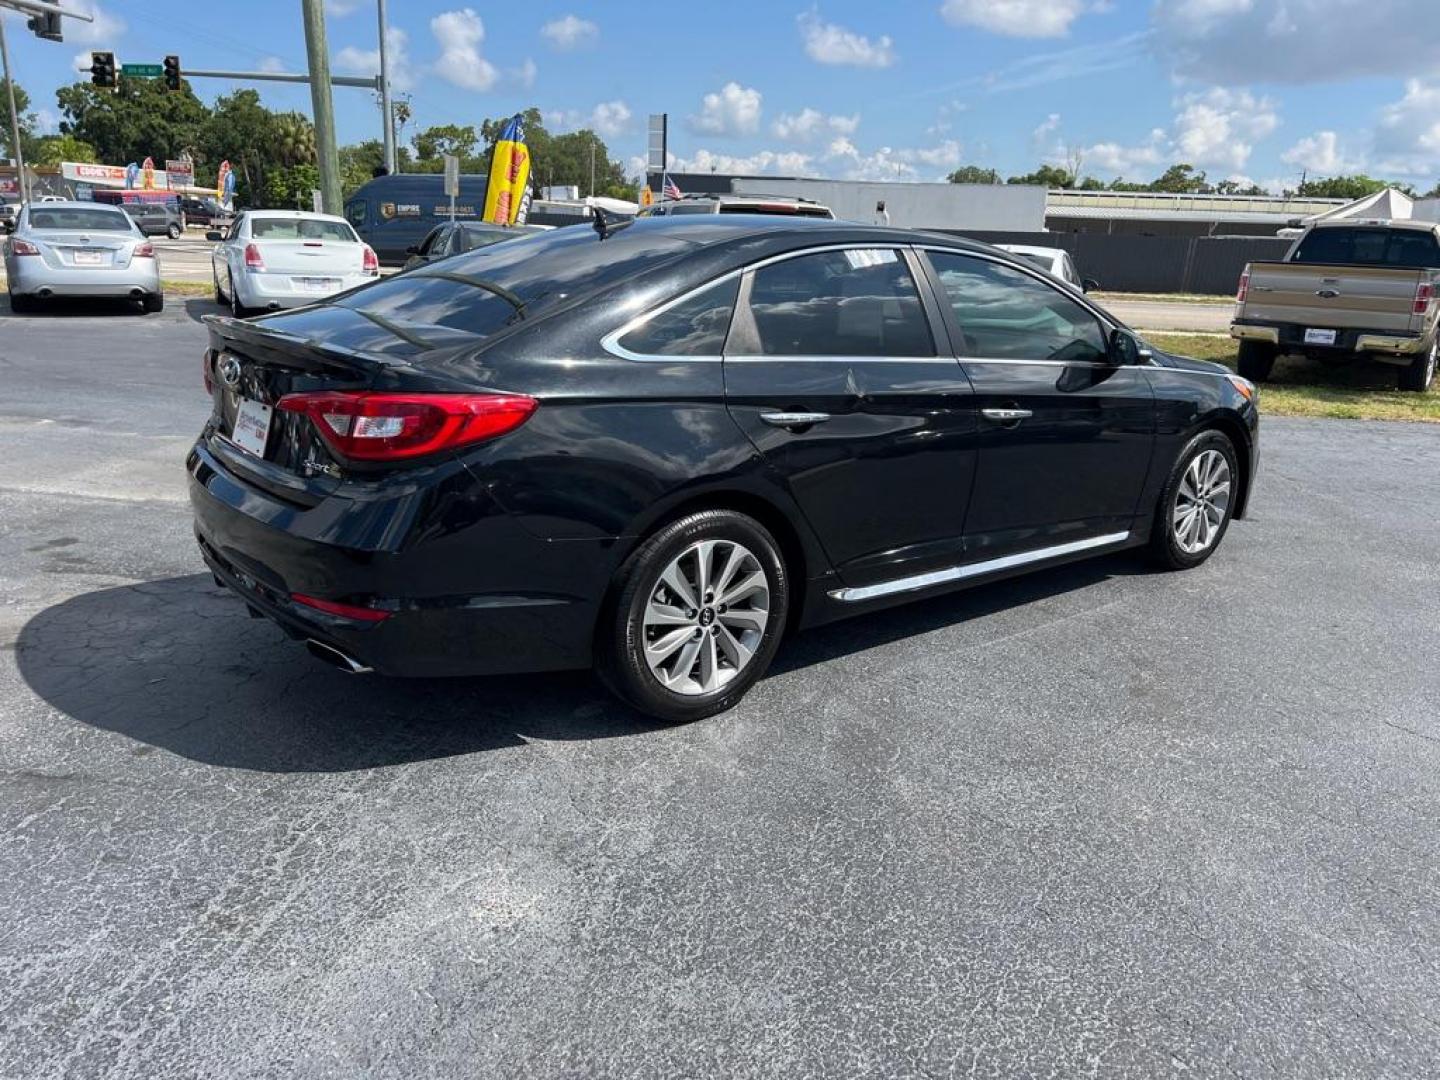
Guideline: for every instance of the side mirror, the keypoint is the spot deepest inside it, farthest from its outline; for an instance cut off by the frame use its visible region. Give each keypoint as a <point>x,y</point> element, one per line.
<point>214,236</point>
<point>1089,284</point>
<point>412,250</point>
<point>1127,349</point>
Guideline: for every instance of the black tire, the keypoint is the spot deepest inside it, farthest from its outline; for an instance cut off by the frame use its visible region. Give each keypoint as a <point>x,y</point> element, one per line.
<point>153,303</point>
<point>237,309</point>
<point>1257,358</point>
<point>621,633</point>
<point>1166,550</point>
<point>21,305</point>
<point>173,232</point>
<point>1421,372</point>
<point>219,296</point>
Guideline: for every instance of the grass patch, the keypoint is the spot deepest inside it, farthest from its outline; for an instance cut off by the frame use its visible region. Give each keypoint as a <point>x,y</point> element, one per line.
<point>1166,298</point>
<point>1363,390</point>
<point>169,287</point>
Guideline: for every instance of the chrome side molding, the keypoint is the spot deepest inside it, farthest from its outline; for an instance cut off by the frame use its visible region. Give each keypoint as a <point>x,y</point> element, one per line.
<point>917,582</point>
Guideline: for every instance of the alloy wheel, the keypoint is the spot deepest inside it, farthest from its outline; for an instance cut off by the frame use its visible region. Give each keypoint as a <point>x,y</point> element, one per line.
<point>1201,503</point>
<point>706,617</point>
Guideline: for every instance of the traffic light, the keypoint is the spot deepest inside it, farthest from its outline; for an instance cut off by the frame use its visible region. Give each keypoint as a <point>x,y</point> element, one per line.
<point>172,73</point>
<point>47,26</point>
<point>102,69</point>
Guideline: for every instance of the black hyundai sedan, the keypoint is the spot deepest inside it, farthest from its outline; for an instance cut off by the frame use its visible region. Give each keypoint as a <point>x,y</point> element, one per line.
<point>657,448</point>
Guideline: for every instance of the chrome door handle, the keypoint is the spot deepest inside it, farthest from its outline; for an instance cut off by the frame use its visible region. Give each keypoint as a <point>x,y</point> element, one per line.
<point>1006,416</point>
<point>794,419</point>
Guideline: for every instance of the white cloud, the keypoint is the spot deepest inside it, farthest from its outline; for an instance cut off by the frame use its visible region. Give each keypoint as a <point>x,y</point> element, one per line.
<point>1046,132</point>
<point>1015,18</point>
<point>807,124</point>
<point>274,65</point>
<point>733,110</point>
<point>1123,160</point>
<point>764,161</point>
<point>827,43</point>
<point>353,61</point>
<point>1293,41</point>
<point>1407,137</point>
<point>460,35</point>
<point>570,32</point>
<point>888,163</point>
<point>104,31</point>
<point>610,118</point>
<point>1320,153</point>
<point>1219,126</point>
<point>341,8</point>
<point>525,73</point>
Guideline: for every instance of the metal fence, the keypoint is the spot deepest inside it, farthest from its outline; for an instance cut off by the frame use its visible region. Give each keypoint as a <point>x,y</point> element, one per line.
<point>1153,264</point>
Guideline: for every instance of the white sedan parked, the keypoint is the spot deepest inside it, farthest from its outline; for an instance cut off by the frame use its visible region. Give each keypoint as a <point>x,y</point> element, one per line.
<point>273,259</point>
<point>1054,261</point>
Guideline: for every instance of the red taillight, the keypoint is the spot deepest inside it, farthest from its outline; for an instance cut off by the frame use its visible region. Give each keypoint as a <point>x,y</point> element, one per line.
<point>1424,293</point>
<point>23,247</point>
<point>253,261</point>
<point>372,261</point>
<point>1243,288</point>
<point>144,251</point>
<point>387,427</point>
<point>209,374</point>
<point>345,611</point>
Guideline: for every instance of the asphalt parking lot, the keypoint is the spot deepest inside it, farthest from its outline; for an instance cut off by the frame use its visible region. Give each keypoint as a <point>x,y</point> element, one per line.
<point>1099,821</point>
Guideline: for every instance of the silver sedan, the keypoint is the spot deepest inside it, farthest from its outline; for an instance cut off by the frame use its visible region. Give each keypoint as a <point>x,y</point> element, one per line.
<point>79,249</point>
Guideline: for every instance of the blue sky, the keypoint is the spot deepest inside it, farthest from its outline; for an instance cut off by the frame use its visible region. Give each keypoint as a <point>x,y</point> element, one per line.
<point>904,89</point>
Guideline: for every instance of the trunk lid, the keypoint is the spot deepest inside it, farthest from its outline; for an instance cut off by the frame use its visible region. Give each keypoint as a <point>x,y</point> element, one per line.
<point>1343,297</point>
<point>65,249</point>
<point>311,258</point>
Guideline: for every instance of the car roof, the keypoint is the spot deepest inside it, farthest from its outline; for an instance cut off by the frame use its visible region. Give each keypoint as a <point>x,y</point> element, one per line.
<point>1376,223</point>
<point>75,204</point>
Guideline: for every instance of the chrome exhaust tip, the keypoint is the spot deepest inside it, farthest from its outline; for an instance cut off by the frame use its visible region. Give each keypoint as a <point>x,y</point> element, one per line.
<point>137,294</point>
<point>44,294</point>
<point>335,658</point>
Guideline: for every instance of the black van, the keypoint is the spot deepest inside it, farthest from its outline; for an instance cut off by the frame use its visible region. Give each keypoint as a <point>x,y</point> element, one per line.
<point>394,213</point>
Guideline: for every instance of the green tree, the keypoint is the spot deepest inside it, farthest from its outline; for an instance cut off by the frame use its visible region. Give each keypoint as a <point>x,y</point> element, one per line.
<point>435,142</point>
<point>139,120</point>
<point>292,139</point>
<point>973,174</point>
<point>53,149</point>
<point>562,159</point>
<point>1050,176</point>
<point>27,123</point>
<point>360,161</point>
<point>1234,187</point>
<point>242,131</point>
<point>288,187</point>
<point>1182,179</point>
<point>1348,187</point>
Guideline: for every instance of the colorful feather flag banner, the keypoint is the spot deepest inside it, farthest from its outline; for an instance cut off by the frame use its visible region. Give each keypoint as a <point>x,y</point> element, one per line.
<point>507,194</point>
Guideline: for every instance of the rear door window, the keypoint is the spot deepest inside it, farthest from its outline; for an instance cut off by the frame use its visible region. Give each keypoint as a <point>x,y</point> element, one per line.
<point>356,211</point>
<point>855,302</point>
<point>266,228</point>
<point>1408,249</point>
<point>80,219</point>
<point>696,326</point>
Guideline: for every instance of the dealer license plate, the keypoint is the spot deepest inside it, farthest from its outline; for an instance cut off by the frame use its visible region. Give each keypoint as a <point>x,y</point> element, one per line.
<point>252,427</point>
<point>1319,337</point>
<point>317,284</point>
<point>89,258</point>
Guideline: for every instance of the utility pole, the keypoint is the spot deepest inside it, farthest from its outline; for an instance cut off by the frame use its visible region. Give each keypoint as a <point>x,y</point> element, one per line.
<point>592,166</point>
<point>14,117</point>
<point>387,117</point>
<point>322,104</point>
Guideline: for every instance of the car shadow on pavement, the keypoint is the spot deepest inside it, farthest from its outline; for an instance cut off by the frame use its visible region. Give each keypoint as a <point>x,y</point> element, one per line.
<point>177,664</point>
<point>197,307</point>
<point>72,306</point>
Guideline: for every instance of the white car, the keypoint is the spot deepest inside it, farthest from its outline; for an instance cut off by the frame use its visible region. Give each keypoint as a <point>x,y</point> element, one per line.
<point>1054,261</point>
<point>273,259</point>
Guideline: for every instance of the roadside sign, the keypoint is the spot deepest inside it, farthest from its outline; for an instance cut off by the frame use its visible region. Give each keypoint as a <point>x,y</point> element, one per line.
<point>315,202</point>
<point>452,180</point>
<point>141,71</point>
<point>179,174</point>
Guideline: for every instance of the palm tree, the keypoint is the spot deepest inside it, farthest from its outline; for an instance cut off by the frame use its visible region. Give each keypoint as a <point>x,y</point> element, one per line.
<point>294,140</point>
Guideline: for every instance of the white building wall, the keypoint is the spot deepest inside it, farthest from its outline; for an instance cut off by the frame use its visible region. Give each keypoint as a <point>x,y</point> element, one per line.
<point>1012,207</point>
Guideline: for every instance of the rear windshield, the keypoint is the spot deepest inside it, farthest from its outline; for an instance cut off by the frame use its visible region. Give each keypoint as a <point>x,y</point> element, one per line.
<point>263,228</point>
<point>1401,248</point>
<point>459,293</point>
<point>1045,262</point>
<point>81,218</point>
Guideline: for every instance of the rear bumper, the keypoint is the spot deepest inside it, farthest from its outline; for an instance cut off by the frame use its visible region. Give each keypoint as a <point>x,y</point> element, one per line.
<point>276,290</point>
<point>1347,339</point>
<point>29,280</point>
<point>486,598</point>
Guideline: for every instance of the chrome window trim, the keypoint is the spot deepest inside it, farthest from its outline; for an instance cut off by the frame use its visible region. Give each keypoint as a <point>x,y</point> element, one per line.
<point>917,582</point>
<point>807,358</point>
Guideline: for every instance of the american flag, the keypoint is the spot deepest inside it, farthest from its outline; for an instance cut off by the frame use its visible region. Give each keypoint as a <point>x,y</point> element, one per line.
<point>671,191</point>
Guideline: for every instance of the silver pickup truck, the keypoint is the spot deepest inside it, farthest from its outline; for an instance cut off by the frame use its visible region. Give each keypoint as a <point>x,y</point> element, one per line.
<point>1346,290</point>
